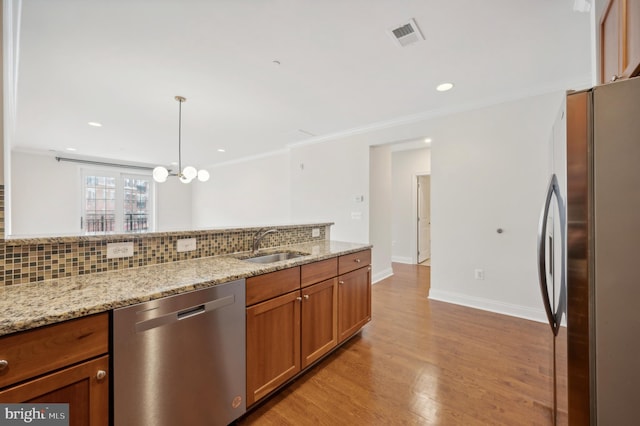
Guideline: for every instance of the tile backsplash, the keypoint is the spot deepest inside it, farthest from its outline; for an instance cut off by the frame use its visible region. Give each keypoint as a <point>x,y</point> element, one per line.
<point>27,261</point>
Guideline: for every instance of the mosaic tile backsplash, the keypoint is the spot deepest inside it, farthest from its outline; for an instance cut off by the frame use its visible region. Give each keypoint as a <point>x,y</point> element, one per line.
<point>42,260</point>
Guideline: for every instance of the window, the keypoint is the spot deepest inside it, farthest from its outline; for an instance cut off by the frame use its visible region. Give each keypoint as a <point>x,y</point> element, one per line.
<point>116,202</point>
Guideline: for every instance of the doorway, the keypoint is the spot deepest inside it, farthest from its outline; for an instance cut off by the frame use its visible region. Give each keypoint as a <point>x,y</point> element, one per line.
<point>423,225</point>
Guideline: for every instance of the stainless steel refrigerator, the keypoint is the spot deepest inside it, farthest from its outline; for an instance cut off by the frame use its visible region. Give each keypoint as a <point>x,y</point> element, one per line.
<point>589,255</point>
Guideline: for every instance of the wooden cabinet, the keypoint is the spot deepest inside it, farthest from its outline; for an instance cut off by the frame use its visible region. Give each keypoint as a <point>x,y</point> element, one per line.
<point>620,40</point>
<point>354,302</point>
<point>61,363</point>
<point>288,333</point>
<point>296,316</point>
<point>273,344</point>
<point>319,320</point>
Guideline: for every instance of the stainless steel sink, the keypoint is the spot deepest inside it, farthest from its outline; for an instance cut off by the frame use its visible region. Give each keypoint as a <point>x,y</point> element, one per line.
<point>275,257</point>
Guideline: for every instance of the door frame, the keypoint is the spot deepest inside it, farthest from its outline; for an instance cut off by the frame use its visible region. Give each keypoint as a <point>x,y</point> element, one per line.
<point>414,215</point>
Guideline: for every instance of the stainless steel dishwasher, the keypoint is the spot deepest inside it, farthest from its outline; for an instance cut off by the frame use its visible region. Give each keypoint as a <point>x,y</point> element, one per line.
<point>180,360</point>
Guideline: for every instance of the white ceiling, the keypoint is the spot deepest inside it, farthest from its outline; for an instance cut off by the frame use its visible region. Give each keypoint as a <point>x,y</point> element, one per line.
<point>121,62</point>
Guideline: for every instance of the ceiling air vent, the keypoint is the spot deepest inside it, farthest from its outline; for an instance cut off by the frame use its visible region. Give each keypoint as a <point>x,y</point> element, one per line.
<point>406,34</point>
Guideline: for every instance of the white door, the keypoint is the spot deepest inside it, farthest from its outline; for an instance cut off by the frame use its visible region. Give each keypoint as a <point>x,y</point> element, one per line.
<point>424,218</point>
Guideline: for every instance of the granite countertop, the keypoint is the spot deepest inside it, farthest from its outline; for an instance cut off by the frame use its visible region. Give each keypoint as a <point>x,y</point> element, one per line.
<point>26,306</point>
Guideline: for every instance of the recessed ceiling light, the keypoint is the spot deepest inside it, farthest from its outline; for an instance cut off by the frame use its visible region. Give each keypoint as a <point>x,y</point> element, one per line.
<point>94,124</point>
<point>71,149</point>
<point>221,150</point>
<point>444,87</point>
<point>427,140</point>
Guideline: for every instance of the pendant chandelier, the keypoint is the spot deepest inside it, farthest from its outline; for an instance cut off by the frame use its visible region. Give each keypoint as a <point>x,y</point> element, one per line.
<point>187,174</point>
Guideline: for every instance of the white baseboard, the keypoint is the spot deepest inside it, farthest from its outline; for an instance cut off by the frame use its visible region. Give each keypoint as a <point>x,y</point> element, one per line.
<point>401,259</point>
<point>381,275</point>
<point>525,312</point>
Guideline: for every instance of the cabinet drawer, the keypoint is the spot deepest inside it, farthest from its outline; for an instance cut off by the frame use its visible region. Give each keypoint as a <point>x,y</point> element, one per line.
<point>34,352</point>
<point>267,286</point>
<point>315,272</point>
<point>353,261</point>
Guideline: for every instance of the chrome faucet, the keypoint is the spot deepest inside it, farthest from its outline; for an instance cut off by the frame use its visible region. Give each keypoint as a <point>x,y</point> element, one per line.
<point>259,236</point>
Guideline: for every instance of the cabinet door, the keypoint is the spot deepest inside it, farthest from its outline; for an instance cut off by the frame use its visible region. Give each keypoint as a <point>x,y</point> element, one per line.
<point>632,38</point>
<point>273,344</point>
<point>82,386</point>
<point>319,320</point>
<point>354,302</point>
<point>610,47</point>
<point>620,40</point>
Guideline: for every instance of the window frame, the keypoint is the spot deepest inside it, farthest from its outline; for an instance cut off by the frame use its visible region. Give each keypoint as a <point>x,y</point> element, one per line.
<point>119,175</point>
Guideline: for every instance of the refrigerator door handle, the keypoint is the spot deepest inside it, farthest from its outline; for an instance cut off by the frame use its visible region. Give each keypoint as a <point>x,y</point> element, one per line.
<point>542,254</point>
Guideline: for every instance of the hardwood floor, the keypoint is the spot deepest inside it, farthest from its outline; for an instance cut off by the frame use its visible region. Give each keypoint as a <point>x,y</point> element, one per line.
<point>423,362</point>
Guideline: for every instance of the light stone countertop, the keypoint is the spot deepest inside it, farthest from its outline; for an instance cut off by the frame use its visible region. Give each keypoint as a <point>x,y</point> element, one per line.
<point>26,306</point>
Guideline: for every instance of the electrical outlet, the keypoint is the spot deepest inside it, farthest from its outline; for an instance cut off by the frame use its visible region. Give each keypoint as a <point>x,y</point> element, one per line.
<point>116,250</point>
<point>186,244</point>
<point>315,232</point>
<point>479,274</point>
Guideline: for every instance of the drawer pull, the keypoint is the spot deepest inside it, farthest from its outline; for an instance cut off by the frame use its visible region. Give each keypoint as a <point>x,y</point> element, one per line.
<point>356,260</point>
<point>101,374</point>
<point>340,282</point>
<point>3,364</point>
<point>306,297</point>
<point>298,298</point>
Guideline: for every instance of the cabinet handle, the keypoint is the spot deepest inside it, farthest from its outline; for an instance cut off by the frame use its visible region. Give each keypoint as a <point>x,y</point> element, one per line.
<point>3,364</point>
<point>356,260</point>
<point>615,77</point>
<point>340,282</point>
<point>101,374</point>
<point>298,298</point>
<point>306,297</point>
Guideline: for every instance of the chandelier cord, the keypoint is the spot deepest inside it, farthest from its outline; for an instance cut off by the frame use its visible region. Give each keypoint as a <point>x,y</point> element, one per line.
<point>160,173</point>
<point>179,136</point>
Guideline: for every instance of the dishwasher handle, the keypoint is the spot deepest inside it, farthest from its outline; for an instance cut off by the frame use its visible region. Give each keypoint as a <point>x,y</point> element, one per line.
<point>184,314</point>
<point>190,312</point>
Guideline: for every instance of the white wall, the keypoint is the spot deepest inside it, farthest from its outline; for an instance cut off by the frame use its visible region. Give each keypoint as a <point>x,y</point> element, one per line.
<point>406,165</point>
<point>380,212</point>
<point>488,173</point>
<point>46,198</point>
<point>327,181</point>
<point>174,205</point>
<point>250,193</point>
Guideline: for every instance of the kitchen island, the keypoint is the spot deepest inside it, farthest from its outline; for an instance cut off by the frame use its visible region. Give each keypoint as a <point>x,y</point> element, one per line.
<point>57,337</point>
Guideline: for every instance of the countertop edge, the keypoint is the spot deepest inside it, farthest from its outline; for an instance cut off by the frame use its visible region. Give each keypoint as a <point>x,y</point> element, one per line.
<point>101,284</point>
